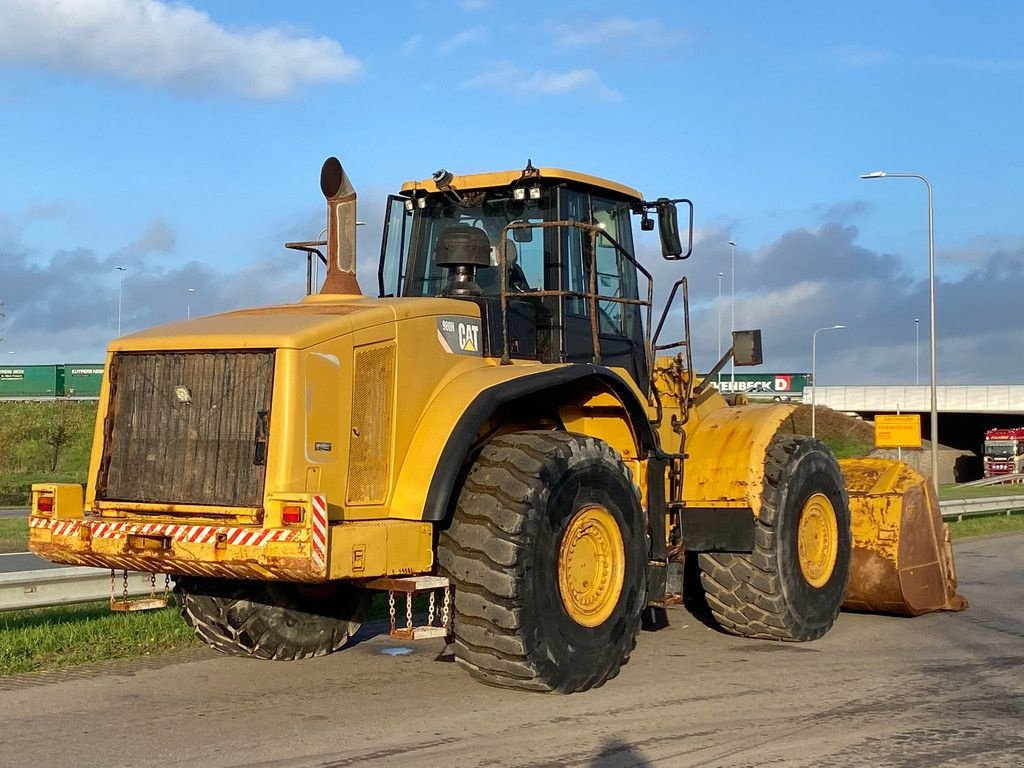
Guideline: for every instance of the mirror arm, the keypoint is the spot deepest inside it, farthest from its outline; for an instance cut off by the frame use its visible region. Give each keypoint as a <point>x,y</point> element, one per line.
<point>710,377</point>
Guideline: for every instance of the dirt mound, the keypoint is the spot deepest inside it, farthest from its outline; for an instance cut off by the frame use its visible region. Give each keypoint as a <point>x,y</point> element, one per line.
<point>847,436</point>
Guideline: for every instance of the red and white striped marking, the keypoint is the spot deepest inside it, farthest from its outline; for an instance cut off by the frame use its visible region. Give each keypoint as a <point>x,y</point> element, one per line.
<point>319,541</point>
<point>59,527</point>
<point>203,534</point>
<point>194,534</point>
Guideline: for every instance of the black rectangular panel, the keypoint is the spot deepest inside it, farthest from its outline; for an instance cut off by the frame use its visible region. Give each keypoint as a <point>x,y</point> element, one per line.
<point>717,529</point>
<point>187,428</point>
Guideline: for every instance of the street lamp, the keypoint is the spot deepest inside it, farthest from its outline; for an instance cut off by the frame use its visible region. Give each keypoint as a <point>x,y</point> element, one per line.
<point>120,292</point>
<point>188,303</point>
<point>732,312</point>
<point>814,380</point>
<point>719,305</point>
<point>934,425</point>
<point>917,350</point>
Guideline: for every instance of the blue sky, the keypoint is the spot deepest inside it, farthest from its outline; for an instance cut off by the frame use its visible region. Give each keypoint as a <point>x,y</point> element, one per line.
<point>185,141</point>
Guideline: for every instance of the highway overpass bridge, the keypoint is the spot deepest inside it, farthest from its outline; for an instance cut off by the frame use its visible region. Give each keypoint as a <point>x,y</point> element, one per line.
<point>965,412</point>
<point>981,399</point>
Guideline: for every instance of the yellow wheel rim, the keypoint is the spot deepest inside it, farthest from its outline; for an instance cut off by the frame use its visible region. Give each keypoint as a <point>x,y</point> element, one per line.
<point>591,566</point>
<point>818,540</point>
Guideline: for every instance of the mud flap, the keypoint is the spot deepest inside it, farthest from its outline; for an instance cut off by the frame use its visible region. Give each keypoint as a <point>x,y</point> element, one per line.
<point>902,558</point>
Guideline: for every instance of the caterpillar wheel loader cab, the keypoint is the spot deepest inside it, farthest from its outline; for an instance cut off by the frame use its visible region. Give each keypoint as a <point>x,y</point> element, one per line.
<point>508,422</point>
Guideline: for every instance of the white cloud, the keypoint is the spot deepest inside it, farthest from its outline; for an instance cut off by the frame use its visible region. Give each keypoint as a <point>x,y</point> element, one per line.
<point>411,45</point>
<point>509,77</point>
<point>619,33</point>
<point>174,46</point>
<point>462,39</point>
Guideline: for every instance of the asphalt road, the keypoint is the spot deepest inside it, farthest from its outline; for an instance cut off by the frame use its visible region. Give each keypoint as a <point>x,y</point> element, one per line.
<point>14,562</point>
<point>939,690</point>
<point>13,512</point>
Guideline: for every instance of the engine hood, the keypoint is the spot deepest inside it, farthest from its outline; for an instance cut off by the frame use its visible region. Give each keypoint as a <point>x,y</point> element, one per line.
<point>314,320</point>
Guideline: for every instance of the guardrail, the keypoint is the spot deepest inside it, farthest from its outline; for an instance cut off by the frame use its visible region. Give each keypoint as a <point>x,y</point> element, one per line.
<point>1014,479</point>
<point>958,509</point>
<point>64,586</point>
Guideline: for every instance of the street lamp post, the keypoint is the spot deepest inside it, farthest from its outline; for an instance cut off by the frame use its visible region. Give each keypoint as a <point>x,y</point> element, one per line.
<point>814,363</point>
<point>188,303</point>
<point>719,306</point>
<point>934,421</point>
<point>732,312</point>
<point>917,350</point>
<point>120,293</point>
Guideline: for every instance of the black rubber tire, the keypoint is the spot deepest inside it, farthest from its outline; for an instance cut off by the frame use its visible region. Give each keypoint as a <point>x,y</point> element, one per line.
<point>271,620</point>
<point>764,594</point>
<point>501,551</point>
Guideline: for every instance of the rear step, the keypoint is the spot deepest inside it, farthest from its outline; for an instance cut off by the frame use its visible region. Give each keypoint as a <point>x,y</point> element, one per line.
<point>124,604</point>
<point>412,586</point>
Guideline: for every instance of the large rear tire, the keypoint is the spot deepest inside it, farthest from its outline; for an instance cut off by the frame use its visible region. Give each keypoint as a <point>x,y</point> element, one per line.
<point>547,551</point>
<point>791,586</point>
<point>271,620</point>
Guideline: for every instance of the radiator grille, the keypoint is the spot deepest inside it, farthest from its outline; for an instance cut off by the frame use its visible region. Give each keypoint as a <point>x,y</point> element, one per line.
<point>187,428</point>
<point>369,453</point>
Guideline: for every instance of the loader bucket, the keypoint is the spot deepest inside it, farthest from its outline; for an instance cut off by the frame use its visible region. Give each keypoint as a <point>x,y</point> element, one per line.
<point>902,559</point>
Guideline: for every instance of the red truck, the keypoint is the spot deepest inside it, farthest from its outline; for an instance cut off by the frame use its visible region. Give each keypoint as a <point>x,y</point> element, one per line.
<point>1004,451</point>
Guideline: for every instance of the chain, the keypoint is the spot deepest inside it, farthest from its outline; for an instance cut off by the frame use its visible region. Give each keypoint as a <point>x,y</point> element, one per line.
<point>408,612</point>
<point>124,588</point>
<point>152,586</point>
<point>111,586</point>
<point>391,610</point>
<point>167,585</point>
<point>445,607</point>
<point>430,613</point>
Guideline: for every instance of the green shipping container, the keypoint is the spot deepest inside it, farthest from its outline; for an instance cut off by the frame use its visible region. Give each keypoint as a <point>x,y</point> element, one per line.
<point>31,381</point>
<point>82,379</point>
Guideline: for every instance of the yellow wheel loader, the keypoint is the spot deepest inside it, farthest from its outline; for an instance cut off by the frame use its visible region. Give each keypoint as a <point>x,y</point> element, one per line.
<point>506,428</point>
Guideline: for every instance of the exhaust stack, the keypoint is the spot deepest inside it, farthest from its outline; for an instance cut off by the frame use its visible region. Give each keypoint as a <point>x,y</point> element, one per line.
<point>341,229</point>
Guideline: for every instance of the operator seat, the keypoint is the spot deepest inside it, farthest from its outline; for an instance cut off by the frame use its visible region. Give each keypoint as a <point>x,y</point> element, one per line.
<point>516,280</point>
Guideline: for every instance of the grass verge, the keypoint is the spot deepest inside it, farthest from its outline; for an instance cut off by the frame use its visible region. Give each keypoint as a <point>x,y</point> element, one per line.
<point>52,638</point>
<point>980,526</point>
<point>980,491</point>
<point>13,534</point>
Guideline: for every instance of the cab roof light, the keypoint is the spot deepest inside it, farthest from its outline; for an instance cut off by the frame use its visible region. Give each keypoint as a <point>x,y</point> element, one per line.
<point>535,193</point>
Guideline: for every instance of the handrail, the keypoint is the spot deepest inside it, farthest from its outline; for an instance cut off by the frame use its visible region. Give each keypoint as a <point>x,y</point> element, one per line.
<point>591,294</point>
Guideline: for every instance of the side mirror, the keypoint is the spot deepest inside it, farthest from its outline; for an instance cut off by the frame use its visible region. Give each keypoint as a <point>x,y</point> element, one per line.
<point>746,347</point>
<point>668,228</point>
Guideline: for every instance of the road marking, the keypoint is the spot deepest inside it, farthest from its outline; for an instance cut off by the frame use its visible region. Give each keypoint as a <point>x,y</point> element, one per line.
<point>14,554</point>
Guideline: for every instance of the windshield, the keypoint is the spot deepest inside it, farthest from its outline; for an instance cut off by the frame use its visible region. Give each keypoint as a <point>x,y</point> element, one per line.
<point>1003,449</point>
<point>524,249</point>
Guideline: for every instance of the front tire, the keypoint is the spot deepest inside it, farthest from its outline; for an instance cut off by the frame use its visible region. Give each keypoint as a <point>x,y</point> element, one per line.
<point>547,550</point>
<point>271,620</point>
<point>791,586</point>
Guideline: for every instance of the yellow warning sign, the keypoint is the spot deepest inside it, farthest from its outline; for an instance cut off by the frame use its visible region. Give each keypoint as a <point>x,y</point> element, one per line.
<point>902,431</point>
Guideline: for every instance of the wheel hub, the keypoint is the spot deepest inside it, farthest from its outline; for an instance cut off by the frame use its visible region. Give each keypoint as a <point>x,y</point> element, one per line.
<point>817,540</point>
<point>591,566</point>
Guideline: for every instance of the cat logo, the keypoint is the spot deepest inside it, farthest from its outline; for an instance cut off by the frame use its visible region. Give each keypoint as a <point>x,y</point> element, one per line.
<point>469,337</point>
<point>459,335</point>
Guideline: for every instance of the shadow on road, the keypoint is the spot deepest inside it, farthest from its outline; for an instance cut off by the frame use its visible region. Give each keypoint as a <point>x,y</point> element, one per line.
<point>618,754</point>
